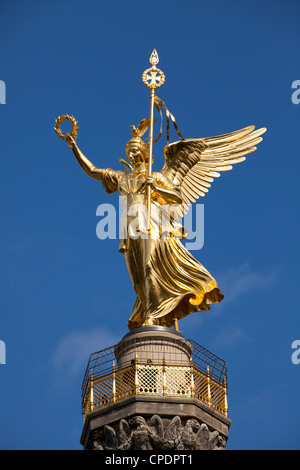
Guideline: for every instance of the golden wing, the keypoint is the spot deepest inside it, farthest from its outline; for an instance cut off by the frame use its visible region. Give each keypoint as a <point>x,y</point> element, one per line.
<point>192,164</point>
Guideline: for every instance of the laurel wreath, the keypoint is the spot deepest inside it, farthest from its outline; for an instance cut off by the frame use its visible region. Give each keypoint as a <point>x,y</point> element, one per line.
<point>75,128</point>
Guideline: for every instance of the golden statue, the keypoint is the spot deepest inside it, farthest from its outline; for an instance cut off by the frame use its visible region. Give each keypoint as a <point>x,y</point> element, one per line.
<point>169,282</point>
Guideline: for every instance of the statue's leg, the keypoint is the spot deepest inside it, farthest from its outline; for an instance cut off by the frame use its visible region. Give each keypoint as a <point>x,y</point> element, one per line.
<point>152,288</point>
<point>134,263</point>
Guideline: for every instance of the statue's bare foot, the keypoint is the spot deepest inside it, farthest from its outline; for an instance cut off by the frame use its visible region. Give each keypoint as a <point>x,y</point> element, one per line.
<point>149,322</point>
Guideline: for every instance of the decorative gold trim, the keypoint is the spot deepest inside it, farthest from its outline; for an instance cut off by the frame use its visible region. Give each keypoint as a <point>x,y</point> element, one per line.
<point>165,380</point>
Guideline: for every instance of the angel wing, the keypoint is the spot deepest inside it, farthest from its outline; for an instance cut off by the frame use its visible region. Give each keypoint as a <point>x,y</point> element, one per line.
<point>111,441</point>
<point>192,164</point>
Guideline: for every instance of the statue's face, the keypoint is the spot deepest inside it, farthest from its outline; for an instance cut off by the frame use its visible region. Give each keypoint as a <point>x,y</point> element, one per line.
<point>134,154</point>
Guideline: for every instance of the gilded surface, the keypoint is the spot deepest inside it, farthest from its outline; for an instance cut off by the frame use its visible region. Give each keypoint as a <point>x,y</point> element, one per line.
<point>155,380</point>
<point>169,282</point>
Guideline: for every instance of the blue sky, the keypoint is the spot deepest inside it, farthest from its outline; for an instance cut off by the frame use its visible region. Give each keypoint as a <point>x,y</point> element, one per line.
<point>64,292</point>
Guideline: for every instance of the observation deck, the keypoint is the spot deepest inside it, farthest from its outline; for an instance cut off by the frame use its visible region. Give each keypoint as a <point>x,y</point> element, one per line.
<point>154,362</point>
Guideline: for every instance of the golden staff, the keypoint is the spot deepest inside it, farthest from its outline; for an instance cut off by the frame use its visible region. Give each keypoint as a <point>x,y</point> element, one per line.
<point>153,78</point>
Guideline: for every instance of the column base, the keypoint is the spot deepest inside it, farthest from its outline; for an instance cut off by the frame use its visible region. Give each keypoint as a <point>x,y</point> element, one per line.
<point>163,423</point>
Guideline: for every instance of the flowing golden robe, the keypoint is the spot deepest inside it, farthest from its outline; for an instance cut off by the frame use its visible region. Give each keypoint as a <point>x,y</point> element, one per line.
<point>169,282</point>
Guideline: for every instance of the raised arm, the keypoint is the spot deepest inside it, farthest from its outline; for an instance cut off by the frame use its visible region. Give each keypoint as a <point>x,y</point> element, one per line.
<point>84,162</point>
<point>109,178</point>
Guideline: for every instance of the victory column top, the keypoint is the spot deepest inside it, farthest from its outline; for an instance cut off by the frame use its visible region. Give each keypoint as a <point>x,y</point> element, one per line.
<point>169,282</point>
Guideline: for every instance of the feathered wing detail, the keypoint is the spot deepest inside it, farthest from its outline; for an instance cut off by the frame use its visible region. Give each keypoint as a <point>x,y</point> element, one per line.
<point>192,164</point>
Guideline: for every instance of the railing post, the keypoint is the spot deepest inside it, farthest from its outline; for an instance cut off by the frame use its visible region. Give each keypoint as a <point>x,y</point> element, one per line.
<point>92,391</point>
<point>225,398</point>
<point>164,377</point>
<point>208,387</point>
<point>192,378</point>
<point>136,377</point>
<point>114,382</point>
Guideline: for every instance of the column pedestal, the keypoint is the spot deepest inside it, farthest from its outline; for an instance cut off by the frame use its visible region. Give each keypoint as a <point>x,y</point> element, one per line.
<point>157,418</point>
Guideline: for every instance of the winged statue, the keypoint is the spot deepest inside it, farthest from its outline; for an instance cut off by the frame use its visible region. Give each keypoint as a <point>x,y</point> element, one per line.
<point>169,282</point>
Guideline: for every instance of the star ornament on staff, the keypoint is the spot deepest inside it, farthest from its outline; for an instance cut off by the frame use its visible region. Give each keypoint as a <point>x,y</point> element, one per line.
<point>153,78</point>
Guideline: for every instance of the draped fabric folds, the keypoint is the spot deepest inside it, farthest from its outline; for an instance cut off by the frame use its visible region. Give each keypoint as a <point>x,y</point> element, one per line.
<point>169,282</point>
<point>174,284</point>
